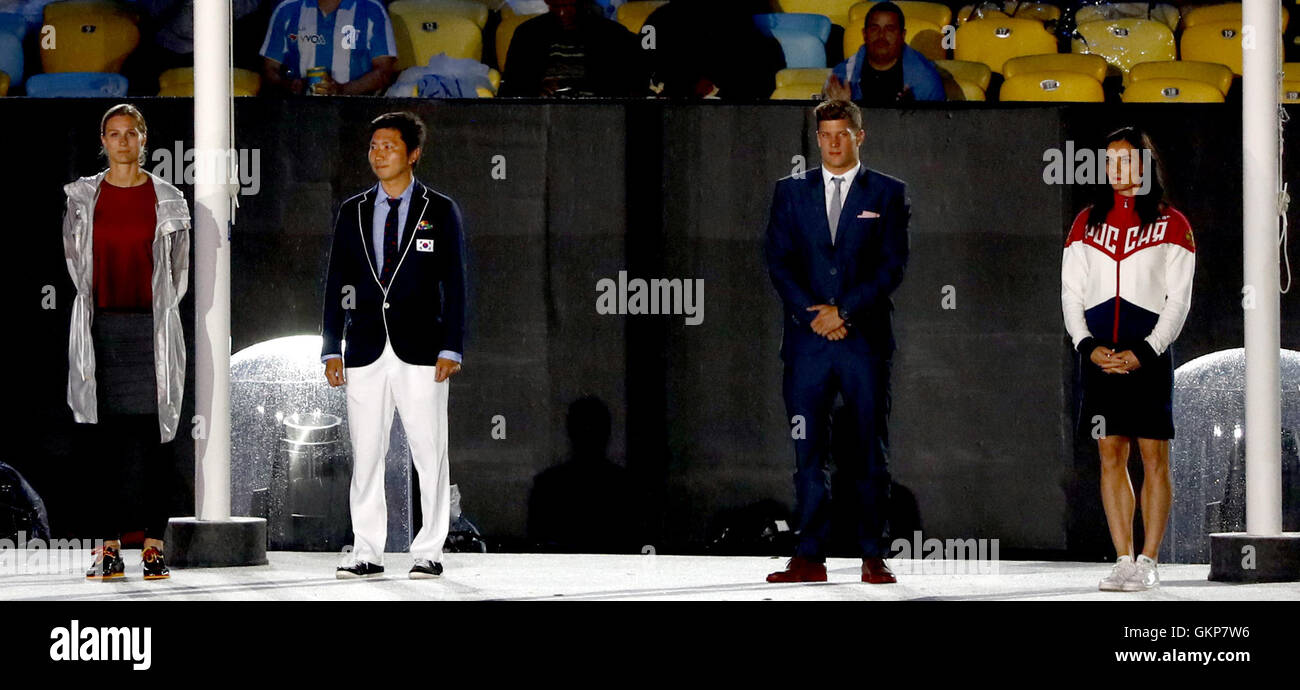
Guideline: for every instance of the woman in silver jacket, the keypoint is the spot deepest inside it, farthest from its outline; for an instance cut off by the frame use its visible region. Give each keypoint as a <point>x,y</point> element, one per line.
<point>126,241</point>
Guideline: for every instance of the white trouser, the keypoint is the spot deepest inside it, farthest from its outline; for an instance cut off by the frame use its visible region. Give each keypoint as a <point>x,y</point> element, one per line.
<point>374,391</point>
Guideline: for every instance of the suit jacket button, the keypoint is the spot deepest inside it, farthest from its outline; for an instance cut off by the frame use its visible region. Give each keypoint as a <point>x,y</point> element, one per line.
<point>385,305</point>
<point>832,302</point>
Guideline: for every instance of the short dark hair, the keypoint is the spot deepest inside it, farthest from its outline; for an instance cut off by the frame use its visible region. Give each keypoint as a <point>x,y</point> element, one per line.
<point>885,6</point>
<point>407,124</point>
<point>839,110</point>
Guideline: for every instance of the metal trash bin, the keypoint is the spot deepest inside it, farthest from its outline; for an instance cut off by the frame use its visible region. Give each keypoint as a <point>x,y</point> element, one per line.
<point>310,476</point>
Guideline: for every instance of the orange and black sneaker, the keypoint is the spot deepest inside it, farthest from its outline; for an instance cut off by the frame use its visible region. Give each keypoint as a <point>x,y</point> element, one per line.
<point>155,568</point>
<point>108,565</point>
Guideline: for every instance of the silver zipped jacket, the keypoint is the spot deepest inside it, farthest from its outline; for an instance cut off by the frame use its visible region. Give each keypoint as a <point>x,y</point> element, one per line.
<point>171,266</point>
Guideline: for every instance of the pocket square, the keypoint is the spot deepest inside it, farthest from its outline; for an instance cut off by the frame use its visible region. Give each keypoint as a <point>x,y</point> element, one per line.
<point>868,214</point>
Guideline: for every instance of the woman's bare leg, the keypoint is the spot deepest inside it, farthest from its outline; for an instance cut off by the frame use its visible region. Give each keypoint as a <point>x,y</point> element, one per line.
<point>1117,491</point>
<point>1157,493</point>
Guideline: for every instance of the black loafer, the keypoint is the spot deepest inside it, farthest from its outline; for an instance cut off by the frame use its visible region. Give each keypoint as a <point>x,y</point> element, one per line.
<point>425,569</point>
<point>359,569</point>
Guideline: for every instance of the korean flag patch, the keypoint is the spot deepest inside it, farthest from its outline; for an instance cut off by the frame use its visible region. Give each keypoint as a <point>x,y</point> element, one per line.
<point>424,245</point>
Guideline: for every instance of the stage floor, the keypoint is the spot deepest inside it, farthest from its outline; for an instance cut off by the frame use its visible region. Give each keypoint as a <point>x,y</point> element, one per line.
<point>294,576</point>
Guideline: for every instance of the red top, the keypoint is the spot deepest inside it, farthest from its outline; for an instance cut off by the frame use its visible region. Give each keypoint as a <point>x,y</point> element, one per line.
<point>125,219</point>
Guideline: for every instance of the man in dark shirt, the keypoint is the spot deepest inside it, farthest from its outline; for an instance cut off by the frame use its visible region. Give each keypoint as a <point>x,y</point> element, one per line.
<point>885,70</point>
<point>573,51</point>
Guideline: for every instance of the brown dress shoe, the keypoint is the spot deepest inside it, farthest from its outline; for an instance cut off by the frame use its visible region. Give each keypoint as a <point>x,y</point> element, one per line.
<point>798,569</point>
<point>876,572</point>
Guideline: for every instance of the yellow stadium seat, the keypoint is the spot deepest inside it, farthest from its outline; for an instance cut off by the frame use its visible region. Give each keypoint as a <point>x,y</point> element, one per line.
<point>1038,11</point>
<point>1291,92</point>
<point>1164,13</point>
<point>633,14</point>
<point>1212,73</point>
<point>4,84</point>
<point>94,42</point>
<point>83,9</point>
<point>965,14</point>
<point>835,10</point>
<point>421,34</point>
<point>245,82</point>
<point>185,89</point>
<point>1125,42</point>
<point>932,12</point>
<point>494,77</point>
<point>976,73</point>
<point>1094,66</point>
<point>924,37</point>
<point>805,75</point>
<point>506,31</point>
<point>1070,87</point>
<point>969,92</point>
<point>472,10</point>
<point>1216,41</point>
<point>1171,90</point>
<point>972,77</point>
<point>994,41</point>
<point>797,92</point>
<point>1225,12</point>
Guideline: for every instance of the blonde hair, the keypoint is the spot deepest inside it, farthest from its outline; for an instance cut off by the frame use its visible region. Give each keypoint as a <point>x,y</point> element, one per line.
<point>129,111</point>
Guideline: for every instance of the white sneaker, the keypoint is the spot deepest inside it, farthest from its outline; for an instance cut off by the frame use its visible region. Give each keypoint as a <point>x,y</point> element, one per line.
<point>1119,574</point>
<point>1144,576</point>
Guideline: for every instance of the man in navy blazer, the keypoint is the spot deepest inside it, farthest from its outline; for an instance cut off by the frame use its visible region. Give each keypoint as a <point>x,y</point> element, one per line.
<point>836,249</point>
<point>395,293</point>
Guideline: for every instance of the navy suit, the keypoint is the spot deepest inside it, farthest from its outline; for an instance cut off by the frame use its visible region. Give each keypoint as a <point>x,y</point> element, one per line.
<point>423,312</point>
<point>394,334</point>
<point>857,274</point>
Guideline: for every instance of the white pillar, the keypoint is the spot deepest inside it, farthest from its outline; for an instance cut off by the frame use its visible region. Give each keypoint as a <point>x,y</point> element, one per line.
<point>1261,63</point>
<point>212,206</point>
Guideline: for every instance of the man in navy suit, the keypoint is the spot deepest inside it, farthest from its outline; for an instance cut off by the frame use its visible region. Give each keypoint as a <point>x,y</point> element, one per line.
<point>396,291</point>
<point>836,248</point>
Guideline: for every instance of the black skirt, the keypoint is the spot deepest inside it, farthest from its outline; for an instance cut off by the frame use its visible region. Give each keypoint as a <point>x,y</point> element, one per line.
<point>124,363</point>
<point>1138,404</point>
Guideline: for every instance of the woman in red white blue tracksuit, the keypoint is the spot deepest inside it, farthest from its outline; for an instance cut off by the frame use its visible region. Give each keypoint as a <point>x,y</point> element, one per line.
<point>1126,286</point>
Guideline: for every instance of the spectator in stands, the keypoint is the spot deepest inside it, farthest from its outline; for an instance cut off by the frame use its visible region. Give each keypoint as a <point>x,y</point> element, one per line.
<point>885,70</point>
<point>573,51</point>
<point>711,48</point>
<point>351,39</point>
<point>167,39</point>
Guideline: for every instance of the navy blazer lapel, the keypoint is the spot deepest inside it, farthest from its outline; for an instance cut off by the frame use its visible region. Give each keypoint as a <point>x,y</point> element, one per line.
<point>415,212</point>
<point>365,226</point>
<point>816,200</point>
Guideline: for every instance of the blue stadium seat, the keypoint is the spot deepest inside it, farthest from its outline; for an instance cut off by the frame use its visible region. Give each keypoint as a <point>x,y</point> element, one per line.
<point>76,85</point>
<point>13,23</point>
<point>802,36</point>
<point>12,29</point>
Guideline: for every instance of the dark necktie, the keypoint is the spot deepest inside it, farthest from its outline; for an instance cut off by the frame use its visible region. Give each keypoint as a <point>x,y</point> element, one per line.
<point>390,241</point>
